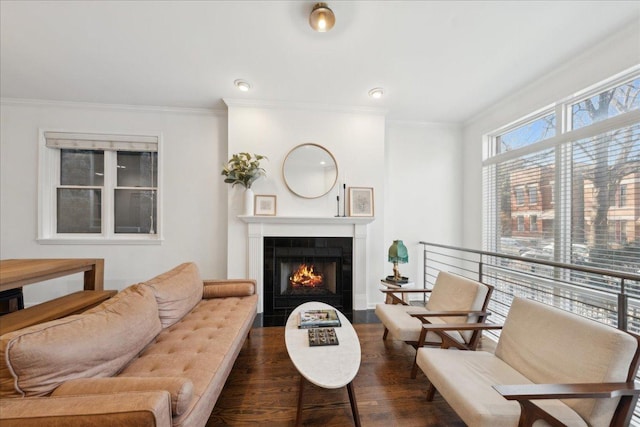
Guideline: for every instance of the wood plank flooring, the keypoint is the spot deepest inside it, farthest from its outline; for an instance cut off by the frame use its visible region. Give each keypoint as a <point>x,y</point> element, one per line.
<point>263,388</point>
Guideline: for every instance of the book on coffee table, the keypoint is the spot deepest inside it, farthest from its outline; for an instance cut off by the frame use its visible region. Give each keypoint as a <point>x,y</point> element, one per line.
<point>318,319</point>
<point>322,336</point>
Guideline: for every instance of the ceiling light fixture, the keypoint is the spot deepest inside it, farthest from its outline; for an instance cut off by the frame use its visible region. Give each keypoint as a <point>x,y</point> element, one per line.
<point>376,93</point>
<point>243,85</point>
<point>322,18</point>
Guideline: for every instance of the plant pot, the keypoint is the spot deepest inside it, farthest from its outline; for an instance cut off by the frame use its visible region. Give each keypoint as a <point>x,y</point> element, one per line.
<point>248,202</point>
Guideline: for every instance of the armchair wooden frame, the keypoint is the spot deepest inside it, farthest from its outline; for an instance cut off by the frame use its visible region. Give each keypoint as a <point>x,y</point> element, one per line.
<point>628,391</point>
<point>447,341</point>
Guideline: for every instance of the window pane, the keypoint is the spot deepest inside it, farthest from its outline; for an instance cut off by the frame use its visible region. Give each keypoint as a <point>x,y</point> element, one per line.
<point>524,227</point>
<point>606,199</point>
<point>532,191</point>
<point>135,211</point>
<point>79,211</point>
<point>606,104</point>
<point>535,131</point>
<point>82,167</point>
<point>137,169</point>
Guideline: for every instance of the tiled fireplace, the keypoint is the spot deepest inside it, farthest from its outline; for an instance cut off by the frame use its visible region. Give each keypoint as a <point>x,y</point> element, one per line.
<point>301,269</point>
<point>302,231</point>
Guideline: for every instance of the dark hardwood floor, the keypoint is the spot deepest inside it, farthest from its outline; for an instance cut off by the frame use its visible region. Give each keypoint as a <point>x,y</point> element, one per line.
<point>263,388</point>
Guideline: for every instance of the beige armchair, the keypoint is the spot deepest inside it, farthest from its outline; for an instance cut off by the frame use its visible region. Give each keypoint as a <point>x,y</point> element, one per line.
<point>548,365</point>
<point>454,300</point>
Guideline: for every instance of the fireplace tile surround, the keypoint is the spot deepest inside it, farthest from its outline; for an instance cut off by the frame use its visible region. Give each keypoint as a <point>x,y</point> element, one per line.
<point>326,263</point>
<point>259,227</point>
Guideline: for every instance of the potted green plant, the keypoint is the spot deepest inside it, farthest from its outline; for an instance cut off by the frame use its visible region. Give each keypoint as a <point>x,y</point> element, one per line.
<point>244,169</point>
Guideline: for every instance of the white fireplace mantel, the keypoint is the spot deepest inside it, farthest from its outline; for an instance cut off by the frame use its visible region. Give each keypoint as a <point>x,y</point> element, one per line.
<point>259,227</point>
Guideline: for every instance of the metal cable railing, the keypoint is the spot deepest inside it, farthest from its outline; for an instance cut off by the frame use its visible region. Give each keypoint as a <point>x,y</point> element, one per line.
<point>607,296</point>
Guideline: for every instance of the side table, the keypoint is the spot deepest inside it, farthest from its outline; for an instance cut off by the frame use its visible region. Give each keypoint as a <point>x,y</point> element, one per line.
<point>394,285</point>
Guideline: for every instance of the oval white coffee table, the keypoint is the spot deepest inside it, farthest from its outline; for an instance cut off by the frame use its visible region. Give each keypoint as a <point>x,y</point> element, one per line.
<point>331,366</point>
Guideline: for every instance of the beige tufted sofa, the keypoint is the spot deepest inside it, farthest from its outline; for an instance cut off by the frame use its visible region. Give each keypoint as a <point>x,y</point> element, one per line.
<point>156,354</point>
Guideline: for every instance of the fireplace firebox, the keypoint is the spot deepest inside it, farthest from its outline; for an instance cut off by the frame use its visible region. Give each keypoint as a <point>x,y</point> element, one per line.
<point>302,269</point>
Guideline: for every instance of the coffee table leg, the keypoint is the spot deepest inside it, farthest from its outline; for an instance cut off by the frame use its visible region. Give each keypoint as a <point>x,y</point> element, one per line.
<point>299,412</point>
<point>354,405</point>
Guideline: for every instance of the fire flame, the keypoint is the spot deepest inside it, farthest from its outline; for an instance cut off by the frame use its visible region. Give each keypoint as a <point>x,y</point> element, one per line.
<point>305,275</point>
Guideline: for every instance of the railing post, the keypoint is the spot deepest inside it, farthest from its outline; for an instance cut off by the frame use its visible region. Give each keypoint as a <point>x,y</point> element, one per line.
<point>424,275</point>
<point>623,307</point>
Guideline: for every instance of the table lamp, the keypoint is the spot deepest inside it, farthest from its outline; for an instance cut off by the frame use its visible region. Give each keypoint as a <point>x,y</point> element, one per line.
<point>398,254</point>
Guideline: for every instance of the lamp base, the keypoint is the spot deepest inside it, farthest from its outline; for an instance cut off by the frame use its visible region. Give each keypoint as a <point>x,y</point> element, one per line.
<point>402,279</point>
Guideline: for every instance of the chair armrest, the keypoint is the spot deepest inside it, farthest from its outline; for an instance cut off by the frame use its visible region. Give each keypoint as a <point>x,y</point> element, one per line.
<point>405,291</point>
<point>567,391</point>
<point>530,411</point>
<point>143,409</point>
<point>460,326</point>
<point>450,313</point>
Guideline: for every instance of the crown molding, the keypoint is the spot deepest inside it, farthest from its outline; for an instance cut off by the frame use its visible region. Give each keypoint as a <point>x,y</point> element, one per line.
<point>424,124</point>
<point>117,107</point>
<point>283,105</point>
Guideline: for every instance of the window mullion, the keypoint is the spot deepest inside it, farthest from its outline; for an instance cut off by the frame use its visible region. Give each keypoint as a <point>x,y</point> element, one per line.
<point>110,182</point>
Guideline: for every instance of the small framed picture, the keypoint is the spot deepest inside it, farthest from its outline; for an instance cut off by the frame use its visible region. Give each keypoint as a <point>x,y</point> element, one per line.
<point>360,201</point>
<point>265,205</point>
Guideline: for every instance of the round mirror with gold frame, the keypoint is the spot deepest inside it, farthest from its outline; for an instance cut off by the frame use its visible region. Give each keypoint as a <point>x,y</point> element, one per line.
<point>310,171</point>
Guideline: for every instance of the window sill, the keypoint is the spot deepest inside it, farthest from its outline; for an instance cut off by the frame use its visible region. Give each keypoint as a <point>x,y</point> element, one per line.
<point>92,241</point>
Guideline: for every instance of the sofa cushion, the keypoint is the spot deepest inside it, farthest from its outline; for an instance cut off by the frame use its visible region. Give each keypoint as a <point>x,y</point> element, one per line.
<point>95,344</point>
<point>201,347</point>
<point>180,389</point>
<point>581,351</point>
<point>177,291</point>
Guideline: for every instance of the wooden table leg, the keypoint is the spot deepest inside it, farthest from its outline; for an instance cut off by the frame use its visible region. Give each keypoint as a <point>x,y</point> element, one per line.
<point>299,411</point>
<point>94,278</point>
<point>354,405</point>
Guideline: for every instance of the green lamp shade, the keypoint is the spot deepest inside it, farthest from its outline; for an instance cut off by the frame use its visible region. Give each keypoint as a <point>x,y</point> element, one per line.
<point>398,252</point>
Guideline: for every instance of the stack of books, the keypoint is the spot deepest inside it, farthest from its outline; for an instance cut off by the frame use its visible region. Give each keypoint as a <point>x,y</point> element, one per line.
<point>318,319</point>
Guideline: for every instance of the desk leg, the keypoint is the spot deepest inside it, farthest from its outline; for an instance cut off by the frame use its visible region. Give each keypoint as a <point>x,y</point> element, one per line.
<point>354,405</point>
<point>94,278</point>
<point>299,411</point>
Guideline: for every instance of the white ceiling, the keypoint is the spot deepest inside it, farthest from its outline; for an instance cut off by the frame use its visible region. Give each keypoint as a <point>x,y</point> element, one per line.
<point>442,61</point>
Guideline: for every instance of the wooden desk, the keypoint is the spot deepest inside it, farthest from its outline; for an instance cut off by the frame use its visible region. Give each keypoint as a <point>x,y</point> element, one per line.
<point>16,273</point>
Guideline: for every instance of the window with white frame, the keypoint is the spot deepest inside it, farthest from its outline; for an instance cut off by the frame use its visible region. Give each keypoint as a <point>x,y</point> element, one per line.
<point>99,187</point>
<point>579,153</point>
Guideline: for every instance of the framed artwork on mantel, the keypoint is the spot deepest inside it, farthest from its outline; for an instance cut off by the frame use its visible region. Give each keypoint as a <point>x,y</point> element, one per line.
<point>360,201</point>
<point>265,205</point>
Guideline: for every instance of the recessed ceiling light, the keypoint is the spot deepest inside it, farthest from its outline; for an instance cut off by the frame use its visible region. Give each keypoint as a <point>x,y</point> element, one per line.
<point>243,85</point>
<point>376,93</point>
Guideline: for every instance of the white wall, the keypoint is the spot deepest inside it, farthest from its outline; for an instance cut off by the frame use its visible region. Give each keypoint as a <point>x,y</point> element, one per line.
<point>356,140</point>
<point>612,56</point>
<point>424,196</point>
<point>194,196</point>
<point>405,163</point>
<point>415,169</point>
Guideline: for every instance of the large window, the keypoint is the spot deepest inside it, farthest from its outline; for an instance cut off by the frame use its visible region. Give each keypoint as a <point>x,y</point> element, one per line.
<point>579,162</point>
<point>99,188</point>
